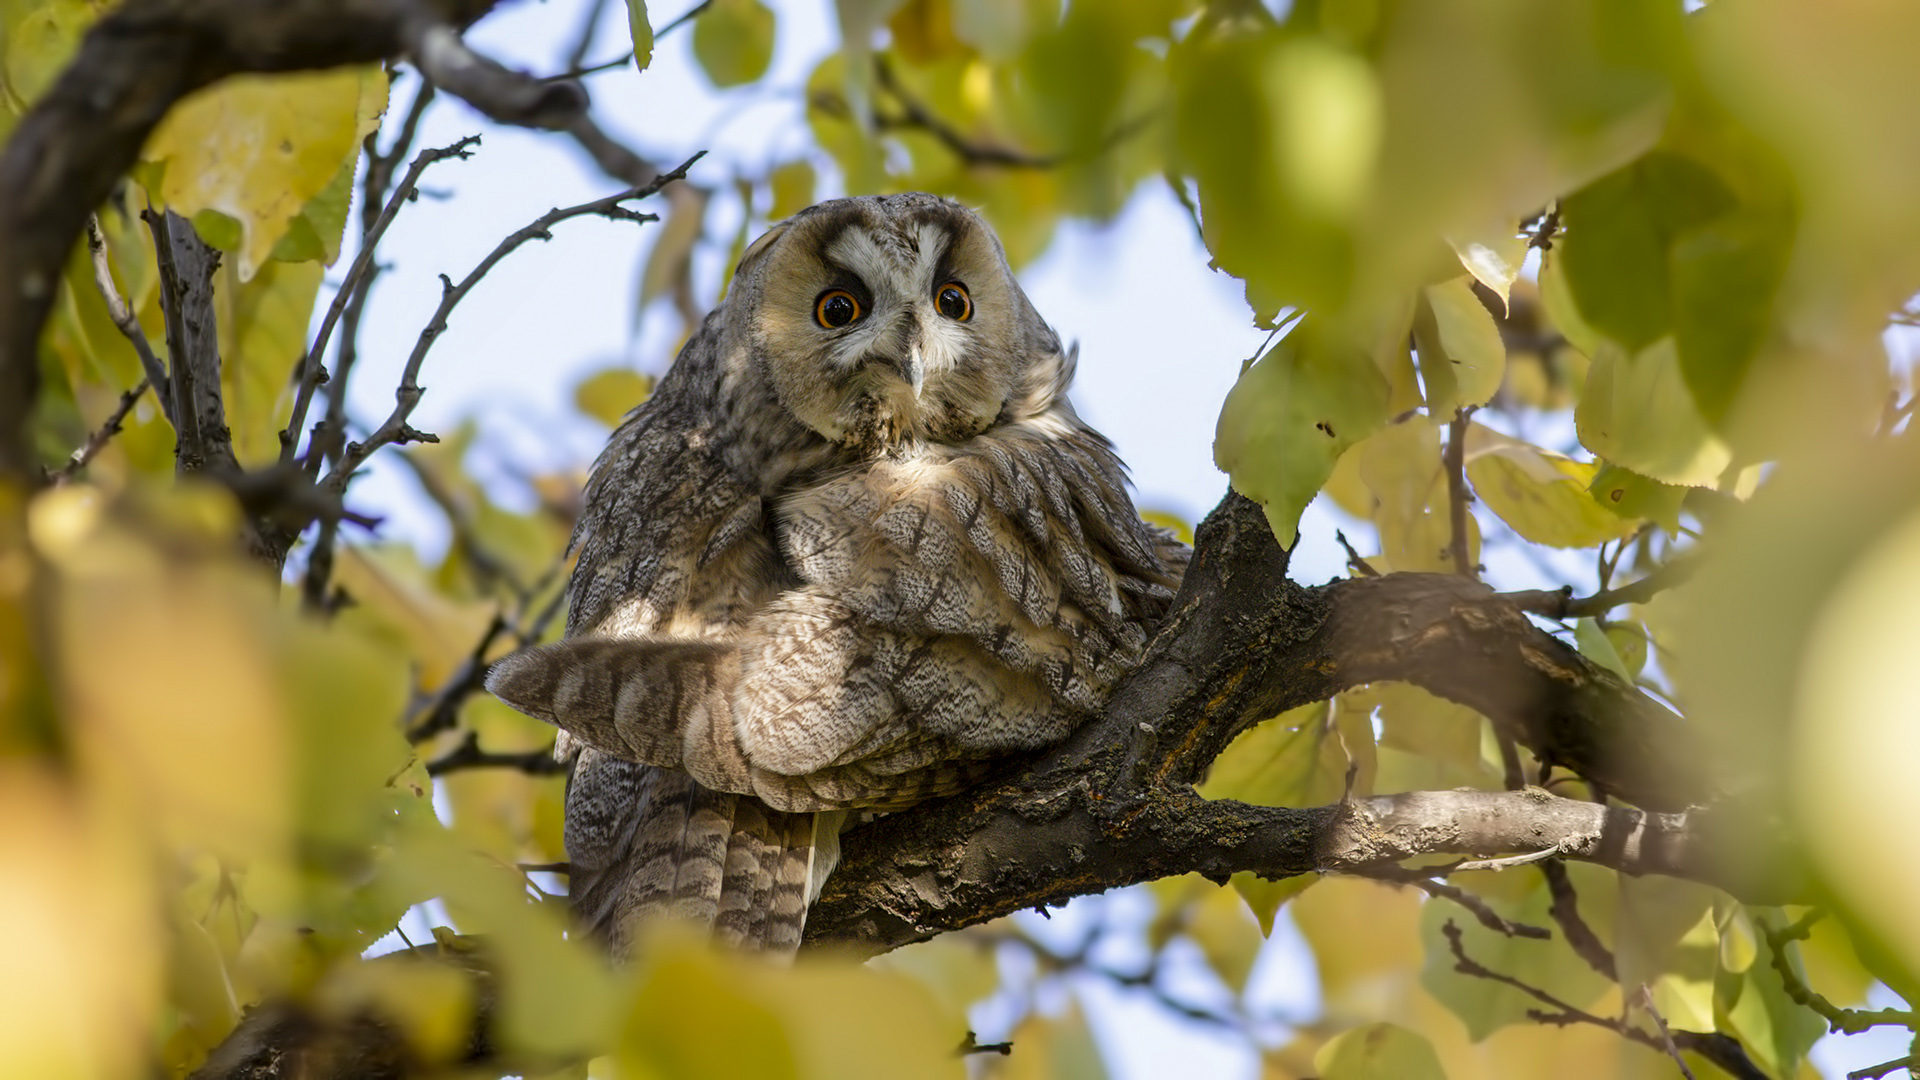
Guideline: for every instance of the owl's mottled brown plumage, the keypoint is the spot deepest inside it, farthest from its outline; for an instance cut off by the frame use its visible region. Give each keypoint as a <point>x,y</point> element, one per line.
<point>830,568</point>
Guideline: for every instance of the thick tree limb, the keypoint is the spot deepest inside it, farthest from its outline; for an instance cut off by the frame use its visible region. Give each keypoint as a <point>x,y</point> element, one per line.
<point>1114,805</point>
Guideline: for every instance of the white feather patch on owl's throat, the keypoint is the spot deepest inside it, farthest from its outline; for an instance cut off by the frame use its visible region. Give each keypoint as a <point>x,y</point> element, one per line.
<point>899,363</point>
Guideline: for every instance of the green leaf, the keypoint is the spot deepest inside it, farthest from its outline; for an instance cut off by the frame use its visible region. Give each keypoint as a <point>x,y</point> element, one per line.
<point>1462,357</point>
<point>642,31</point>
<point>1665,938</point>
<point>1637,498</point>
<point>1543,496</point>
<point>1620,231</point>
<point>1725,277</point>
<point>1378,1051</point>
<point>1638,413</point>
<point>1289,418</point>
<point>733,40</point>
<point>315,232</point>
<point>1278,200</point>
<point>1286,761</point>
<point>1218,923</point>
<point>1265,898</point>
<point>1595,645</point>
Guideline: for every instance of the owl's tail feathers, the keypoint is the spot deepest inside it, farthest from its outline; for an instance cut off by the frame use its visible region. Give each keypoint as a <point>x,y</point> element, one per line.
<point>674,849</point>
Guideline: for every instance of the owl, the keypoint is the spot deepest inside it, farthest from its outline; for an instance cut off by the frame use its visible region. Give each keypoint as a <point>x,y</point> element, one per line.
<point>855,548</point>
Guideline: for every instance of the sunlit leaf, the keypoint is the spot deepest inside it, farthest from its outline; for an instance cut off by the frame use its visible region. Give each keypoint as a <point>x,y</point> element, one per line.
<point>1635,497</point>
<point>1543,496</point>
<point>793,188</point>
<point>1637,413</point>
<point>1379,1052</point>
<point>1493,259</point>
<point>609,395</point>
<point>1289,418</point>
<point>259,148</point>
<point>1462,358</point>
<point>642,33</point>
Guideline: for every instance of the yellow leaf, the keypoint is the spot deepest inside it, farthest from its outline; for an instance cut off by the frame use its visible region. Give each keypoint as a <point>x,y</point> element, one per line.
<point>1542,495</point>
<point>1462,357</point>
<point>1493,258</point>
<point>733,40</point>
<point>393,597</point>
<point>609,395</point>
<point>258,148</point>
<point>80,930</point>
<point>1379,1052</point>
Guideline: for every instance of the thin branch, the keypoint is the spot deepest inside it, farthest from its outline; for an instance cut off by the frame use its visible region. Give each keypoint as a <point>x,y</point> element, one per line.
<point>1355,561</point>
<point>1545,230</point>
<point>683,19</point>
<point>1561,603</point>
<point>101,435</point>
<point>123,318</point>
<point>1844,1021</point>
<point>504,95</point>
<point>1475,906</point>
<point>1457,495</point>
<point>1716,1047</point>
<point>1875,1072</point>
<point>395,428</point>
<point>468,755</point>
<point>1644,998</point>
<point>589,30</point>
<point>1565,910</point>
<point>312,371</point>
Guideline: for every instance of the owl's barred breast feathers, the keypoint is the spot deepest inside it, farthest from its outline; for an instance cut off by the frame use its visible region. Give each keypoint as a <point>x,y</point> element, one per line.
<point>856,546</point>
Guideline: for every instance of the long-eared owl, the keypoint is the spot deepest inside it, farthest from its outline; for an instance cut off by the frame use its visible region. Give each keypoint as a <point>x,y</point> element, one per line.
<point>855,547</point>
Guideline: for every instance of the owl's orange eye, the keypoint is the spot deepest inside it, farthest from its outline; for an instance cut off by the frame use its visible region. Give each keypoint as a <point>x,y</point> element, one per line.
<point>952,301</point>
<point>836,308</point>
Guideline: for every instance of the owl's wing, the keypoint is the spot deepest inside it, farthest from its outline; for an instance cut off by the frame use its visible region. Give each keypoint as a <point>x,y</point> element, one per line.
<point>952,607</point>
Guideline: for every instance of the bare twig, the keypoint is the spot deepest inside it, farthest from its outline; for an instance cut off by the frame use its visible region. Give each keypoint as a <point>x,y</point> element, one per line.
<point>1644,998</point>
<point>970,1046</point>
<point>395,428</point>
<point>123,318</point>
<point>1546,229</point>
<point>589,30</point>
<point>1875,1072</point>
<point>1355,560</point>
<point>1478,908</point>
<point>1561,603</point>
<point>1721,1049</point>
<point>312,371</point>
<point>468,755</point>
<point>1457,495</point>
<point>682,19</point>
<point>101,435</point>
<point>1845,1021</point>
<point>1565,910</point>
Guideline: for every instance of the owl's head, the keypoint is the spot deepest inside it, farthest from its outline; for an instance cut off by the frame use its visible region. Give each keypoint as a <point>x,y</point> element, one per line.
<point>884,318</point>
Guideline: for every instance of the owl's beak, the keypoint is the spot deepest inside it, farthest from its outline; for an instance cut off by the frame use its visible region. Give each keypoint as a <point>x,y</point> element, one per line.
<point>911,368</point>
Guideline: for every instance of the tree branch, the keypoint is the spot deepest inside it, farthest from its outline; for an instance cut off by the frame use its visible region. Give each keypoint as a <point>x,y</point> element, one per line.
<point>85,132</point>
<point>124,320</point>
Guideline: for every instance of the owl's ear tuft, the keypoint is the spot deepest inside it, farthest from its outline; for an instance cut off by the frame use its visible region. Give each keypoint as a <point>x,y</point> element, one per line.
<point>759,248</point>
